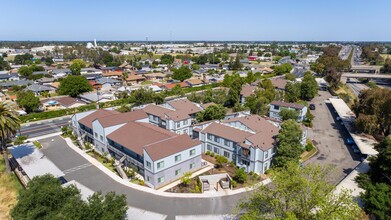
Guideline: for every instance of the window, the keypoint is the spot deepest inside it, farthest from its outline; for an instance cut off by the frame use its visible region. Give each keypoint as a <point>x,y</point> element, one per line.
<point>276,107</point>
<point>217,139</point>
<point>185,122</point>
<point>266,154</point>
<point>209,147</point>
<point>216,150</point>
<point>226,154</point>
<point>178,158</point>
<point>160,179</point>
<point>245,162</point>
<point>149,164</point>
<point>273,150</point>
<point>177,172</point>
<point>178,124</point>
<point>96,135</point>
<point>210,137</point>
<point>226,142</point>
<point>192,152</point>
<point>148,179</point>
<point>101,138</point>
<point>160,165</point>
<point>192,165</point>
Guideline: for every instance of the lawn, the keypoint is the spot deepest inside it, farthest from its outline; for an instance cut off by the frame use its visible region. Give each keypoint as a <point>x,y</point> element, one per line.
<point>9,190</point>
<point>308,154</point>
<point>146,83</point>
<point>106,162</point>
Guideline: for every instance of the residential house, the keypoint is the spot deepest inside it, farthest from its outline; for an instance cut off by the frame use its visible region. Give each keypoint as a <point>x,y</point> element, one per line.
<point>45,81</point>
<point>22,82</point>
<point>277,106</point>
<point>279,83</point>
<point>170,86</point>
<point>5,76</point>
<point>38,89</point>
<point>248,141</point>
<point>135,79</point>
<point>247,90</point>
<point>98,96</point>
<point>61,103</point>
<point>194,82</point>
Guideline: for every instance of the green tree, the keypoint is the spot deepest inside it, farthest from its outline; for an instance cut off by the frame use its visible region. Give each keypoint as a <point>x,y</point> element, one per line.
<point>287,114</point>
<point>45,198</point>
<point>76,66</point>
<point>186,179</point>
<point>4,65</point>
<point>268,89</point>
<point>166,59</point>
<point>309,87</point>
<point>27,100</point>
<point>386,67</point>
<point>289,146</point>
<point>25,71</point>
<point>23,59</point>
<point>220,160</point>
<point>257,104</point>
<point>195,66</point>
<point>74,86</point>
<point>213,112</point>
<point>290,76</point>
<point>282,69</point>
<point>292,92</point>
<point>240,175</point>
<point>299,193</point>
<point>182,73</point>
<point>9,125</point>
<point>235,65</point>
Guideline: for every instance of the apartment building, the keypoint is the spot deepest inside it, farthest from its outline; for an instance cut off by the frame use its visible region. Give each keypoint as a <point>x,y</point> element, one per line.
<point>248,141</point>
<point>161,156</point>
<point>277,106</point>
<point>176,115</point>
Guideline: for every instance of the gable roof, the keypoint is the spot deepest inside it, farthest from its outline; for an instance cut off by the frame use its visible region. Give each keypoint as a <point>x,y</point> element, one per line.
<point>279,83</point>
<point>170,146</point>
<point>135,135</point>
<point>116,119</point>
<point>254,122</point>
<point>170,86</point>
<point>156,110</point>
<point>227,132</point>
<point>38,88</point>
<point>287,105</point>
<point>248,90</point>
<point>100,113</point>
<point>184,105</point>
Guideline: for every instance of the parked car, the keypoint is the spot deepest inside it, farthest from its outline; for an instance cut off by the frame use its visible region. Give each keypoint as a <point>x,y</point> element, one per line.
<point>312,106</point>
<point>355,149</point>
<point>350,140</point>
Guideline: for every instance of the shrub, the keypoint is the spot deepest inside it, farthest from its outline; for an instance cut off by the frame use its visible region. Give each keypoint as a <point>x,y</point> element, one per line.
<point>309,146</point>
<point>232,163</point>
<point>20,140</point>
<point>207,153</point>
<point>212,154</point>
<point>185,180</point>
<point>251,173</point>
<point>234,183</point>
<point>220,160</point>
<point>88,145</point>
<point>240,175</point>
<point>37,144</point>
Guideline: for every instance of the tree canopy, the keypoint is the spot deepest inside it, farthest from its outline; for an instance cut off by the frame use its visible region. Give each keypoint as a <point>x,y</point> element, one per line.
<point>182,73</point>
<point>45,198</point>
<point>213,112</point>
<point>377,182</point>
<point>308,86</point>
<point>374,111</point>
<point>76,66</point>
<point>74,86</point>
<point>27,100</point>
<point>166,59</point>
<point>299,193</point>
<point>289,147</point>
<point>282,69</point>
<point>23,59</point>
<point>287,114</point>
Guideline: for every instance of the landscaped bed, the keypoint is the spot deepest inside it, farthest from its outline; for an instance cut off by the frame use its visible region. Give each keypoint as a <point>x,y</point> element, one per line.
<point>187,185</point>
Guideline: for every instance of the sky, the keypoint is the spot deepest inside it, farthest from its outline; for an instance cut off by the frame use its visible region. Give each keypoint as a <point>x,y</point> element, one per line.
<point>210,20</point>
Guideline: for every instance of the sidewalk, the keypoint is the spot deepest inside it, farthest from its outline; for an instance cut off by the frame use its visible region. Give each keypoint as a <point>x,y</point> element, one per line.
<point>118,179</point>
<point>46,120</point>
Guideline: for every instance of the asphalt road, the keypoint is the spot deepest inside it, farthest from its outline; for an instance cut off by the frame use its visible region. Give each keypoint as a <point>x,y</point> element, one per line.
<point>77,168</point>
<point>330,138</point>
<point>40,128</point>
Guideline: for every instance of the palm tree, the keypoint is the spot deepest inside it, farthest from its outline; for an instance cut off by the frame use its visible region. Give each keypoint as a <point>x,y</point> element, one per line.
<point>9,125</point>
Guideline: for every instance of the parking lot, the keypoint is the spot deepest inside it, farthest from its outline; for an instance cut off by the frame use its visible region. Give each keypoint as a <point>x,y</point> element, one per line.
<point>330,137</point>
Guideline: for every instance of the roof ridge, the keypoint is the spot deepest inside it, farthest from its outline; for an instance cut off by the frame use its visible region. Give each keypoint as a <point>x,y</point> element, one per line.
<point>156,142</point>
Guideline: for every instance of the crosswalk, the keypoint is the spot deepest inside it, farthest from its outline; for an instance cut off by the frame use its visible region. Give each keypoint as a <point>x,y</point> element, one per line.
<point>73,169</point>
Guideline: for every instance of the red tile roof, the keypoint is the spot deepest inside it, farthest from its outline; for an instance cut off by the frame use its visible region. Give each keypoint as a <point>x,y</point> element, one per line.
<point>170,86</point>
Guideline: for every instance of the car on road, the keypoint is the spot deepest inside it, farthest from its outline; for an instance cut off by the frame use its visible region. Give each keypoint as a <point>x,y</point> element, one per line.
<point>312,106</point>
<point>350,141</point>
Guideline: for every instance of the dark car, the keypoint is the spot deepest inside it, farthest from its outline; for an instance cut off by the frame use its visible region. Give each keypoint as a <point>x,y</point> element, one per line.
<point>312,106</point>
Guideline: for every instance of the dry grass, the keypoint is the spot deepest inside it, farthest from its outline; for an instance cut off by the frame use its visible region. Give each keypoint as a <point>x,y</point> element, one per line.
<point>9,188</point>
<point>386,56</point>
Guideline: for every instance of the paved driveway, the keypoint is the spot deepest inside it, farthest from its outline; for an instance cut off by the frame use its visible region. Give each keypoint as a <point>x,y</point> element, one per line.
<point>330,138</point>
<point>79,169</point>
